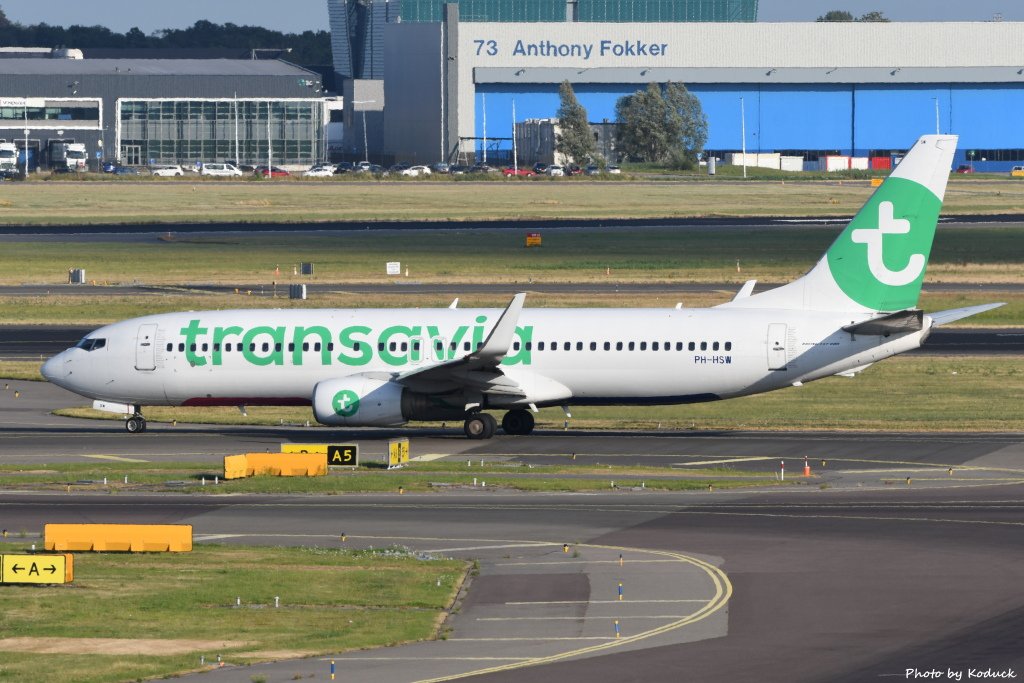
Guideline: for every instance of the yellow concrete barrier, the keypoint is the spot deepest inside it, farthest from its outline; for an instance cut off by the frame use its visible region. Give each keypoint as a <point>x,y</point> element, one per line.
<point>236,467</point>
<point>134,538</point>
<point>876,182</point>
<point>276,464</point>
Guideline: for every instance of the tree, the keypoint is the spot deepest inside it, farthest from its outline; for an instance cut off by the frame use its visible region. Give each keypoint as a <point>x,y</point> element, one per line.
<point>661,127</point>
<point>874,16</point>
<point>690,124</point>
<point>836,15</point>
<point>641,131</point>
<point>843,15</point>
<point>575,139</point>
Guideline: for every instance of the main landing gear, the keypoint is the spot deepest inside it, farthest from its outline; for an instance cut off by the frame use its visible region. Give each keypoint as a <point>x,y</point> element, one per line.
<point>136,424</point>
<point>481,425</point>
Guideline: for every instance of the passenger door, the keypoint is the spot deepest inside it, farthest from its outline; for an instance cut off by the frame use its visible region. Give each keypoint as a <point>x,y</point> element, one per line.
<point>777,346</point>
<point>145,347</point>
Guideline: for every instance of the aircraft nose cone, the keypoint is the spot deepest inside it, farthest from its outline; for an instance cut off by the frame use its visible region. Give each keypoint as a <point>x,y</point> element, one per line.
<point>53,370</point>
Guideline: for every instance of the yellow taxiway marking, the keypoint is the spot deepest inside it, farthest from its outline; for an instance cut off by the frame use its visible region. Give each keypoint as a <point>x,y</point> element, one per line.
<point>722,593</point>
<point>118,458</point>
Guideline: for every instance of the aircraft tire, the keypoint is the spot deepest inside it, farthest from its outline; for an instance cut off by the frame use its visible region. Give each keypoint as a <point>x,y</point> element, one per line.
<point>135,424</point>
<point>519,422</point>
<point>480,426</point>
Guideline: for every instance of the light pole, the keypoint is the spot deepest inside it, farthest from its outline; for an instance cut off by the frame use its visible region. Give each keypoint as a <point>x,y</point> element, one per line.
<point>743,134</point>
<point>366,146</point>
<point>936,115</point>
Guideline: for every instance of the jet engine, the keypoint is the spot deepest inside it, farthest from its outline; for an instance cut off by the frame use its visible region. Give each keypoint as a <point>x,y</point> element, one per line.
<point>368,401</point>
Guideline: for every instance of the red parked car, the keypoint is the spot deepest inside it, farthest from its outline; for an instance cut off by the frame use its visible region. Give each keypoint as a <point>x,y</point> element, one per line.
<point>275,172</point>
<point>521,172</point>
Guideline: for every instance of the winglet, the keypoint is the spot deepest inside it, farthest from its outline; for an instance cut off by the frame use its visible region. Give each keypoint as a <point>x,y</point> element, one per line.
<point>746,290</point>
<point>497,344</point>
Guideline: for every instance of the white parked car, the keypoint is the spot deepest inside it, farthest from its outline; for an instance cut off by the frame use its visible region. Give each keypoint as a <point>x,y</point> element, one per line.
<point>167,171</point>
<point>320,171</point>
<point>612,169</point>
<point>416,171</point>
<point>556,170</point>
<point>220,170</point>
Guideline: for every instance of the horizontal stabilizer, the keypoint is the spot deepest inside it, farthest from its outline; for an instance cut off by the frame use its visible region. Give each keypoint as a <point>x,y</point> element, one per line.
<point>954,314</point>
<point>894,323</point>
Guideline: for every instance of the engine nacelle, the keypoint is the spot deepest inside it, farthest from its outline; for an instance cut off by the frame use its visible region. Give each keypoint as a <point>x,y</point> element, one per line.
<point>358,401</point>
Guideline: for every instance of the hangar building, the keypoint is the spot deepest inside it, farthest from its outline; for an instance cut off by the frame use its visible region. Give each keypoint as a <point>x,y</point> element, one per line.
<point>141,111</point>
<point>452,73</point>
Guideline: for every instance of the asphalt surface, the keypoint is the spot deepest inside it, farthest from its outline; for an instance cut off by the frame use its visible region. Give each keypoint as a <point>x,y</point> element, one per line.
<point>33,342</point>
<point>104,231</point>
<point>852,575</point>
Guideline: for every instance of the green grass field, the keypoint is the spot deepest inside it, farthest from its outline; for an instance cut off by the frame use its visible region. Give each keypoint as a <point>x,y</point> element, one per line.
<point>174,608</point>
<point>35,203</point>
<point>904,393</point>
<point>775,254</point>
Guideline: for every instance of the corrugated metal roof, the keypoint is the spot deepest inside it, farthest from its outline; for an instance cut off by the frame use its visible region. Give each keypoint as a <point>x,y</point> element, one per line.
<point>150,67</point>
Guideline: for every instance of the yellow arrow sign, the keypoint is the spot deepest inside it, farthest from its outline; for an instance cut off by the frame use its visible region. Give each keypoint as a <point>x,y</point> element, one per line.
<point>36,568</point>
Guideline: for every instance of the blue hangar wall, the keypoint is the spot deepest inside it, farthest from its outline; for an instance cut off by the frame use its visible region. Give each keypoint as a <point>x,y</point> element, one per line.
<point>855,119</point>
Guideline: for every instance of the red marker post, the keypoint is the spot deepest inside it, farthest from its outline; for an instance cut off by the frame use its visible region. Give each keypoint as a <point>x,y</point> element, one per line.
<point>807,467</point>
<point>782,470</point>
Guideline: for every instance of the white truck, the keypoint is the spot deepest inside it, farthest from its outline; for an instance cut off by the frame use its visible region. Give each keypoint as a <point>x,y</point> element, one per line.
<point>8,160</point>
<point>68,156</point>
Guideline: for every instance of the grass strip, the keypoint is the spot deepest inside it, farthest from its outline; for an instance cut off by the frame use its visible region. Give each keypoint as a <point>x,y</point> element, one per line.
<point>59,203</point>
<point>976,254</point>
<point>433,476</point>
<point>331,600</point>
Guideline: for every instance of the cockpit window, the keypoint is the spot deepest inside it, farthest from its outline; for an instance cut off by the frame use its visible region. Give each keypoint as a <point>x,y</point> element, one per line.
<point>91,344</point>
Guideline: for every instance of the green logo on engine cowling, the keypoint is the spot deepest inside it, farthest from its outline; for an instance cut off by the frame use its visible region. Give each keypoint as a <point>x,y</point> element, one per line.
<point>879,260</point>
<point>345,403</point>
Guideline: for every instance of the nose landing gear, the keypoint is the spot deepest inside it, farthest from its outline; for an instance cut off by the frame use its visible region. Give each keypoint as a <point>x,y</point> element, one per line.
<point>136,424</point>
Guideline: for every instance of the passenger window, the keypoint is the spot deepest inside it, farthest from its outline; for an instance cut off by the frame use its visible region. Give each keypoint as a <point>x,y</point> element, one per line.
<point>380,346</point>
<point>714,347</point>
<point>356,346</point>
<point>227,347</point>
<point>540,346</point>
<point>554,346</point>
<point>607,346</point>
<point>728,346</point>
<point>305,346</point>
<point>529,345</point>
<point>216,347</point>
<point>316,346</point>
<point>593,346</point>
<point>465,346</point>
<point>252,346</point>
<point>170,347</point>
<point>703,346</point>
<point>654,346</point>
<point>579,346</point>
<point>643,346</point>
<point>668,346</point>
<point>692,347</point>
<point>192,348</point>
<point>567,346</point>
<point>405,346</point>
<point>679,346</point>
<point>618,346</point>
<point>393,346</point>
<point>439,346</point>
<point>330,346</point>
<point>632,346</point>
<point>181,347</point>
<point>415,346</point>
<point>515,346</point>
<point>277,347</point>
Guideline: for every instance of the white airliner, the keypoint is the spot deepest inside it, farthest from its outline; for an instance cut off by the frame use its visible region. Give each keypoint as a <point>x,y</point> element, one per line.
<point>385,367</point>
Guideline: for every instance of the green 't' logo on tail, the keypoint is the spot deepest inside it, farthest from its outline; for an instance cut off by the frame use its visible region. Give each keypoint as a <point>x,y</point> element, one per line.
<point>879,260</point>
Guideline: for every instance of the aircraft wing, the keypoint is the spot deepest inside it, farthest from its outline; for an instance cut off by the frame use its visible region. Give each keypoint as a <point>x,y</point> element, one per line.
<point>478,369</point>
